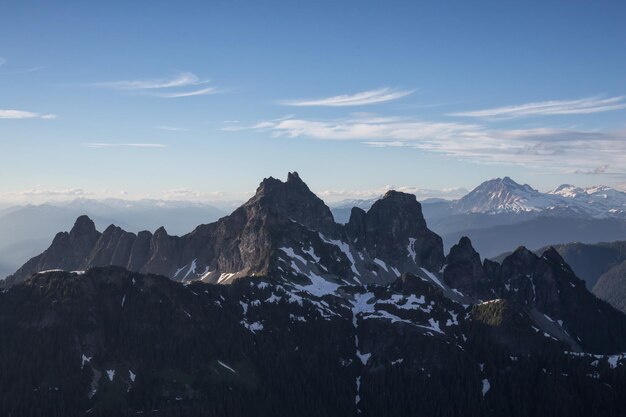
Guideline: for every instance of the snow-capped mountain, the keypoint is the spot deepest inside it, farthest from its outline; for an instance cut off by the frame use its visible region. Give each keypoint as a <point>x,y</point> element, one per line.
<point>502,195</point>
<point>598,200</point>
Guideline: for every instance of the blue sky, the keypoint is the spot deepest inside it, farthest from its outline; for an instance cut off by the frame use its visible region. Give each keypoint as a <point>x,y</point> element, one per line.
<point>201,100</point>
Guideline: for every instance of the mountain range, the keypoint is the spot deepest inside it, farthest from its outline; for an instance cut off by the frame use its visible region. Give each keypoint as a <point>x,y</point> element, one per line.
<point>501,213</point>
<point>308,317</point>
<point>498,215</point>
<point>27,230</point>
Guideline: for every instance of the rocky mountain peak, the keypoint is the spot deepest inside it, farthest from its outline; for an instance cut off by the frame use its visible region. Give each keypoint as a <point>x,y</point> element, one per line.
<point>293,177</point>
<point>502,195</point>
<point>465,271</point>
<point>394,228</point>
<point>294,200</point>
<point>542,282</point>
<point>160,232</point>
<point>464,247</point>
<point>399,207</point>
<point>552,255</point>
<point>521,256</point>
<point>83,226</point>
<point>82,237</point>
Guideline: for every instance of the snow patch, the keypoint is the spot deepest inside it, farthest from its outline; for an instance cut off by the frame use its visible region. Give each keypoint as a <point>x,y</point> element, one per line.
<point>319,286</point>
<point>345,248</point>
<point>486,386</point>
<point>433,277</point>
<point>411,248</point>
<point>192,269</point>
<point>257,326</point>
<point>289,252</point>
<point>312,254</point>
<point>85,359</point>
<point>382,264</point>
<point>364,357</point>
<point>226,366</point>
<point>224,276</point>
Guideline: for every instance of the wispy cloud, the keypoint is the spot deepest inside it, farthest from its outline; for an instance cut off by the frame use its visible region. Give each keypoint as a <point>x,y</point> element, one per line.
<point>124,145</point>
<point>175,87</point>
<point>2,61</point>
<point>200,92</point>
<point>380,95</point>
<point>372,129</point>
<point>551,149</point>
<point>382,144</point>
<point>548,108</point>
<point>172,128</point>
<point>27,70</point>
<point>22,114</point>
<point>58,192</point>
<point>183,79</point>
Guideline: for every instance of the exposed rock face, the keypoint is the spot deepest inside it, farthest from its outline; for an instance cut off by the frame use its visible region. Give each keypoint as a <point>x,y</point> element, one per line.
<point>68,251</point>
<point>548,285</point>
<point>465,272</point>
<point>394,229</point>
<point>294,200</point>
<point>534,280</point>
<point>284,229</point>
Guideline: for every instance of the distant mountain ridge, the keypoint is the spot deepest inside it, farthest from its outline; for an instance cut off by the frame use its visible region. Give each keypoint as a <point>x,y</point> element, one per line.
<point>500,213</point>
<point>27,230</point>
<point>504,195</point>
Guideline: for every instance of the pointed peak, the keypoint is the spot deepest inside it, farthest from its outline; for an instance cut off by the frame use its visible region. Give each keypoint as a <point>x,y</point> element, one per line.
<point>553,255</point>
<point>521,254</point>
<point>465,242</point>
<point>522,250</point>
<point>294,182</point>
<point>294,200</point>
<point>293,177</point>
<point>268,183</point>
<point>497,182</point>
<point>463,250</point>
<point>112,228</point>
<point>83,224</point>
<point>160,232</point>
